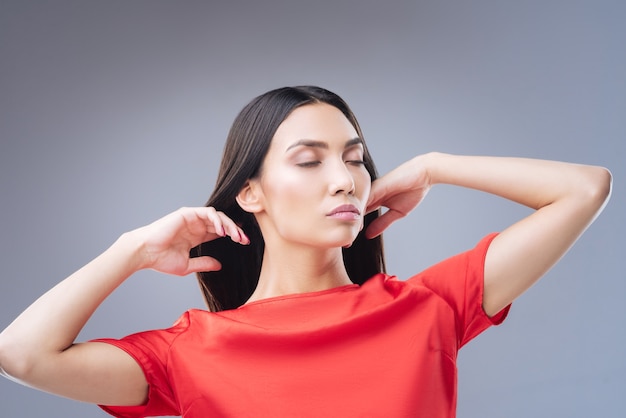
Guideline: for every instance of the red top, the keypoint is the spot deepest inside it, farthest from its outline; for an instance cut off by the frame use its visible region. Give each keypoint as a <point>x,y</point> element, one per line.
<point>386,348</point>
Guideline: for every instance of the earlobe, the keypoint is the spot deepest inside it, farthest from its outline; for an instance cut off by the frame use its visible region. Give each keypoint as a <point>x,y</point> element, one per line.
<point>249,197</point>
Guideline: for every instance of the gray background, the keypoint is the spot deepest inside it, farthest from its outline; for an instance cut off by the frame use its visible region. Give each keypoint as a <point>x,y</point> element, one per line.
<point>114,113</point>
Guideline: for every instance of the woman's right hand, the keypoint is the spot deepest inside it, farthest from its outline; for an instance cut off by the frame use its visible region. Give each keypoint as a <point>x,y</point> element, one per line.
<point>165,243</point>
<point>38,348</point>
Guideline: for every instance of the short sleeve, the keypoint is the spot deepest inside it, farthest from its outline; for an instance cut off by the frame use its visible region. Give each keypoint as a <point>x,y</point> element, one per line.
<point>151,349</point>
<point>459,281</point>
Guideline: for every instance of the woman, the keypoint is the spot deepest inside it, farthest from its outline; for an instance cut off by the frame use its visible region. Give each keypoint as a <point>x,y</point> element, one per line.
<point>289,257</point>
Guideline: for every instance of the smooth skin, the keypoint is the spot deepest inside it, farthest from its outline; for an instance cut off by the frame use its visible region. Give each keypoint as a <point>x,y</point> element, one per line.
<point>314,166</point>
<point>38,348</point>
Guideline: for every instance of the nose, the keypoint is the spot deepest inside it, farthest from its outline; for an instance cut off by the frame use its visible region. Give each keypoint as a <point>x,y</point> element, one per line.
<point>341,180</point>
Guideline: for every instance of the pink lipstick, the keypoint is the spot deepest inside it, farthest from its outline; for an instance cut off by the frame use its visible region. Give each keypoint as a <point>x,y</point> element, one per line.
<point>345,212</point>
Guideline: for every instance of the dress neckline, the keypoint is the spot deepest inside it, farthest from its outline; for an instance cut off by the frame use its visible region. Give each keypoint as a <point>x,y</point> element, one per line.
<point>299,295</point>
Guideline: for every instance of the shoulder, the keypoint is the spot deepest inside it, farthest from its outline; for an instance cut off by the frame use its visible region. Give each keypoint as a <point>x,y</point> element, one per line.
<point>158,339</point>
<point>459,279</point>
<point>467,263</point>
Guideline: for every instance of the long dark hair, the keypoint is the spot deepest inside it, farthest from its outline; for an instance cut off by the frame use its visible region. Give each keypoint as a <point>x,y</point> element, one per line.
<point>246,146</point>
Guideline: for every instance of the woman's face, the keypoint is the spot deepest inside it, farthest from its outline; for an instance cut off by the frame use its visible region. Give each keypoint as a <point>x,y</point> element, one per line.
<point>313,184</point>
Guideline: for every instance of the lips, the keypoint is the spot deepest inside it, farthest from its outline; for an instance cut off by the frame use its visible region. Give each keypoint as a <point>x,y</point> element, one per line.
<point>345,212</point>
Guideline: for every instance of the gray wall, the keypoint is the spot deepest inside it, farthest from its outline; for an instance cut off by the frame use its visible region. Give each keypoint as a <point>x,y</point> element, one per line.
<point>113,113</point>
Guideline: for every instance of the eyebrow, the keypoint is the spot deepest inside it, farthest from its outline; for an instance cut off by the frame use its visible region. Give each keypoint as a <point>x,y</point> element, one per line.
<point>321,144</point>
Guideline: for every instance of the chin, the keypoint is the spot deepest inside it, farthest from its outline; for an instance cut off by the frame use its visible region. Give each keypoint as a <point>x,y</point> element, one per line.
<point>345,243</point>
<point>335,239</point>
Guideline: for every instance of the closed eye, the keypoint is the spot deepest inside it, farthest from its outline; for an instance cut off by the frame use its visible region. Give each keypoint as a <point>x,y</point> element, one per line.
<point>356,162</point>
<point>309,164</point>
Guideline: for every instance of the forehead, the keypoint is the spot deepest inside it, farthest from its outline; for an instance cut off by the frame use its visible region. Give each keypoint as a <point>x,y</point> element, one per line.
<point>319,121</point>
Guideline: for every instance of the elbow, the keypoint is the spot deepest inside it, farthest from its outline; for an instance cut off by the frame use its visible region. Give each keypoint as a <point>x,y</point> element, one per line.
<point>599,187</point>
<point>592,193</point>
<point>13,363</point>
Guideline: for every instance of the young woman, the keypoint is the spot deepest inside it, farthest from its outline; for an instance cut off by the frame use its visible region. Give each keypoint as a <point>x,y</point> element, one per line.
<point>302,320</point>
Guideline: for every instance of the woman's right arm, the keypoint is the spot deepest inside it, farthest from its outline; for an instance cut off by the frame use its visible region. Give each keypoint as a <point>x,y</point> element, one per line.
<point>38,349</point>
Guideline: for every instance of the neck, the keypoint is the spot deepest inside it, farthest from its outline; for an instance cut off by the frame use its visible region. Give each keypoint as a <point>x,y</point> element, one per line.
<point>299,270</point>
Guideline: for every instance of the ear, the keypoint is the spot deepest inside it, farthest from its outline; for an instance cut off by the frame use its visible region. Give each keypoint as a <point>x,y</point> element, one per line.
<point>249,197</point>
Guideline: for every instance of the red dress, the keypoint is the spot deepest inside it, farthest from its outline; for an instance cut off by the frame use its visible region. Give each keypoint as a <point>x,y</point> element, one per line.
<point>386,348</point>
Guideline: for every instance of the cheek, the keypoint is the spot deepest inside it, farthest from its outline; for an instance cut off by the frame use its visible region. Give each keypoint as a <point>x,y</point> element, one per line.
<point>364,185</point>
<point>287,190</point>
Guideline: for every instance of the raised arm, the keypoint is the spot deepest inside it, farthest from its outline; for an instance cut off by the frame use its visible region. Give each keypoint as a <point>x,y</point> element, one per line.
<point>566,198</point>
<point>38,348</point>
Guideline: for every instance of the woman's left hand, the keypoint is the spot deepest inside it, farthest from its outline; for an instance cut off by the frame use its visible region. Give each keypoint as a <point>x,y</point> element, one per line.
<point>400,191</point>
<point>565,197</point>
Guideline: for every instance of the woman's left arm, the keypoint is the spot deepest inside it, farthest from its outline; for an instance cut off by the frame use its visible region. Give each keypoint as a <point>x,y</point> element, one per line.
<point>566,198</point>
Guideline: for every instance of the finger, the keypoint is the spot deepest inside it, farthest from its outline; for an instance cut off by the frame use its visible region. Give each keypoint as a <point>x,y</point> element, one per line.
<point>204,263</point>
<point>381,223</point>
<point>373,202</point>
<point>372,207</point>
<point>233,230</point>
<point>378,194</point>
<point>244,238</point>
<point>215,224</point>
